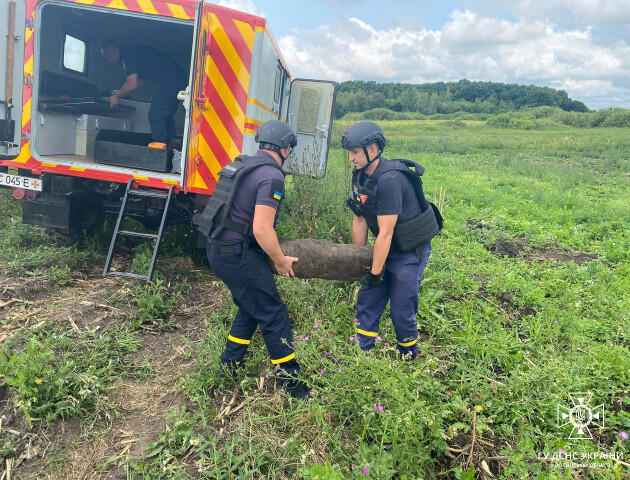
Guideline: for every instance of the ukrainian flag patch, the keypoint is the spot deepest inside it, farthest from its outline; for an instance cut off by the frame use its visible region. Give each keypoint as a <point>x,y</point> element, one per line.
<point>277,195</point>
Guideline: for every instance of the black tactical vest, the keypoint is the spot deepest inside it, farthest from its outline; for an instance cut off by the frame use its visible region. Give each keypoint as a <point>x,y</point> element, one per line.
<point>410,234</point>
<point>215,216</point>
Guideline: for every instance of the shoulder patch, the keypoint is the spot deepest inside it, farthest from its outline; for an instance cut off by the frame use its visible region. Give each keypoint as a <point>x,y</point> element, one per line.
<point>277,189</point>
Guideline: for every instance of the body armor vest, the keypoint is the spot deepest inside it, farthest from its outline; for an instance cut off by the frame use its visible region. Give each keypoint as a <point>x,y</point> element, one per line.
<point>410,234</point>
<point>215,216</point>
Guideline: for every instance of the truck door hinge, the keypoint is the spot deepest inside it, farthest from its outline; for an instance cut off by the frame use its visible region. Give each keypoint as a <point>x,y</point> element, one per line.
<point>28,79</point>
<point>29,22</point>
<point>26,137</point>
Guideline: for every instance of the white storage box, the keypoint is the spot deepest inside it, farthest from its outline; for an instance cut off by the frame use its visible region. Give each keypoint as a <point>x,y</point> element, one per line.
<point>55,134</point>
<point>96,122</point>
<point>85,142</point>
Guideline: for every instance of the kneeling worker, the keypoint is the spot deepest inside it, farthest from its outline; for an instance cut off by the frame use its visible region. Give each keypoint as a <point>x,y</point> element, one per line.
<point>145,64</point>
<point>239,222</point>
<point>388,200</point>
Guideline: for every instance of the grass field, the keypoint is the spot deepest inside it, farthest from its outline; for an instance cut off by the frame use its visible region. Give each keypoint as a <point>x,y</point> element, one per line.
<point>525,300</point>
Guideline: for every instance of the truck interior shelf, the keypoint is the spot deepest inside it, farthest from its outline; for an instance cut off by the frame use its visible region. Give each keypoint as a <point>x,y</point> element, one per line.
<point>73,80</point>
<point>87,105</point>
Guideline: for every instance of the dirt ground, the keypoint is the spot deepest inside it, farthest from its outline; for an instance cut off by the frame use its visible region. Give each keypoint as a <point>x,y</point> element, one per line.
<point>142,404</point>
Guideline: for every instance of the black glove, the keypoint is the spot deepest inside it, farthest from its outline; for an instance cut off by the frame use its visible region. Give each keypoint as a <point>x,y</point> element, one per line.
<point>371,280</point>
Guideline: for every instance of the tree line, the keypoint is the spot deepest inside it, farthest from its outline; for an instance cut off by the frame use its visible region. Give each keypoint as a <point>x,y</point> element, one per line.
<point>449,97</point>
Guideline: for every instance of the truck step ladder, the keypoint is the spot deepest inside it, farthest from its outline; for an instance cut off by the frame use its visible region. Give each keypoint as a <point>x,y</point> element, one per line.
<point>130,191</point>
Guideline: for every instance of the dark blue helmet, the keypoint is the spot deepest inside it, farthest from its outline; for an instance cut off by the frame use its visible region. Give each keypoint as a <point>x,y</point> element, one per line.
<point>362,135</point>
<point>274,135</point>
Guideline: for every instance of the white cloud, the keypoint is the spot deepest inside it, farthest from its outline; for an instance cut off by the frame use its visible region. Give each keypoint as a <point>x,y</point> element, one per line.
<point>246,6</point>
<point>587,12</point>
<point>468,46</point>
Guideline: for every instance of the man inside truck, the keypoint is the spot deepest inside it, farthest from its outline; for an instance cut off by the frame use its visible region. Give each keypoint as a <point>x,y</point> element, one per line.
<point>145,64</point>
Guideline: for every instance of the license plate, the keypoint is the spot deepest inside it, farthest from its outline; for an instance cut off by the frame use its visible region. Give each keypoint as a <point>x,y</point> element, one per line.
<point>16,181</point>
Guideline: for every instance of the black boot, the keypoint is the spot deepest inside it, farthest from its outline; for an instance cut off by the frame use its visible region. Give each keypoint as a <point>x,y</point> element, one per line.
<point>294,387</point>
<point>229,370</point>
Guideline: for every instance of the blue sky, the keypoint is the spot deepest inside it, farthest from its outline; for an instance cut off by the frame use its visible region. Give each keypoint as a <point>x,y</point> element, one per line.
<point>581,46</point>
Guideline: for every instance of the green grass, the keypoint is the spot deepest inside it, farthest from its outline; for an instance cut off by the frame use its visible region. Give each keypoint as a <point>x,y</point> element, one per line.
<point>564,327</point>
<point>509,337</point>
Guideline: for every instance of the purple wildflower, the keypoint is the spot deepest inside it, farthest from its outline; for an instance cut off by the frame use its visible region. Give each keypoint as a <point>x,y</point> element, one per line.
<point>379,339</point>
<point>356,320</point>
<point>321,371</point>
<point>464,350</point>
<point>410,353</point>
<point>560,451</point>
<point>313,391</point>
<point>623,435</point>
<point>386,344</point>
<point>316,326</point>
<point>306,339</point>
<point>328,354</point>
<point>340,370</point>
<point>366,470</point>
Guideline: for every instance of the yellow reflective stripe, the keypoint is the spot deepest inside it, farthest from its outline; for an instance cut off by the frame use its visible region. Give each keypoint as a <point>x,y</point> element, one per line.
<point>285,359</point>
<point>47,164</point>
<point>366,333</point>
<point>230,53</point>
<point>249,131</point>
<point>140,177</point>
<point>224,137</point>
<point>177,11</point>
<point>247,32</point>
<point>407,344</point>
<point>197,181</point>
<point>25,154</point>
<point>85,2</point>
<point>28,66</point>
<point>260,104</point>
<point>170,182</point>
<point>208,157</point>
<point>117,4</point>
<point>78,169</point>
<point>224,91</point>
<point>147,6</point>
<point>238,340</point>
<point>26,112</point>
<point>254,121</point>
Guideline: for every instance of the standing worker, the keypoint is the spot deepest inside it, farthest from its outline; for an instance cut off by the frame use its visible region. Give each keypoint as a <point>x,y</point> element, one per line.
<point>388,200</point>
<point>239,222</point>
<point>145,64</point>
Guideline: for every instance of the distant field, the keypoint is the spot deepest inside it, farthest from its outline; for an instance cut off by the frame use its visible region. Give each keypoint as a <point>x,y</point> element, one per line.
<point>525,300</point>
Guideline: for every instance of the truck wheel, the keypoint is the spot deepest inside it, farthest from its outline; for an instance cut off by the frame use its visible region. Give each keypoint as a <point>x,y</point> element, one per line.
<point>87,218</point>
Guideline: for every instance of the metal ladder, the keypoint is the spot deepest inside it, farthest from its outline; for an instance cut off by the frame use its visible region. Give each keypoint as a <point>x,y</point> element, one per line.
<point>130,191</point>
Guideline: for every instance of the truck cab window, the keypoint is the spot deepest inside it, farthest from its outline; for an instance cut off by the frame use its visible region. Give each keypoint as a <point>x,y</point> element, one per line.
<point>278,85</point>
<point>74,54</point>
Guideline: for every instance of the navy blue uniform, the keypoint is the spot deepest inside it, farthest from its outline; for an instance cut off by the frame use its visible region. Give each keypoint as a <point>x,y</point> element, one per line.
<point>169,78</point>
<point>250,278</point>
<point>403,271</point>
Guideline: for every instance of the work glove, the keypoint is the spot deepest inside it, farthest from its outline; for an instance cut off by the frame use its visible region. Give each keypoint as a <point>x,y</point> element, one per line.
<point>371,280</point>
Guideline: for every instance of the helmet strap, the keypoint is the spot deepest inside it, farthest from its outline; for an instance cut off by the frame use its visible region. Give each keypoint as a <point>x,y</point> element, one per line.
<point>367,156</point>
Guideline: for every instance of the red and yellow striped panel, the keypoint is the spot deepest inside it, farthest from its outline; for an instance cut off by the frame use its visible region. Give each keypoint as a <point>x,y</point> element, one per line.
<point>218,117</point>
<point>182,9</point>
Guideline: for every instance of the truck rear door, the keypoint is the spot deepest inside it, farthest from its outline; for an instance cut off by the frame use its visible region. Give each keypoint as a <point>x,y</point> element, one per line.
<point>12,31</point>
<point>310,114</point>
